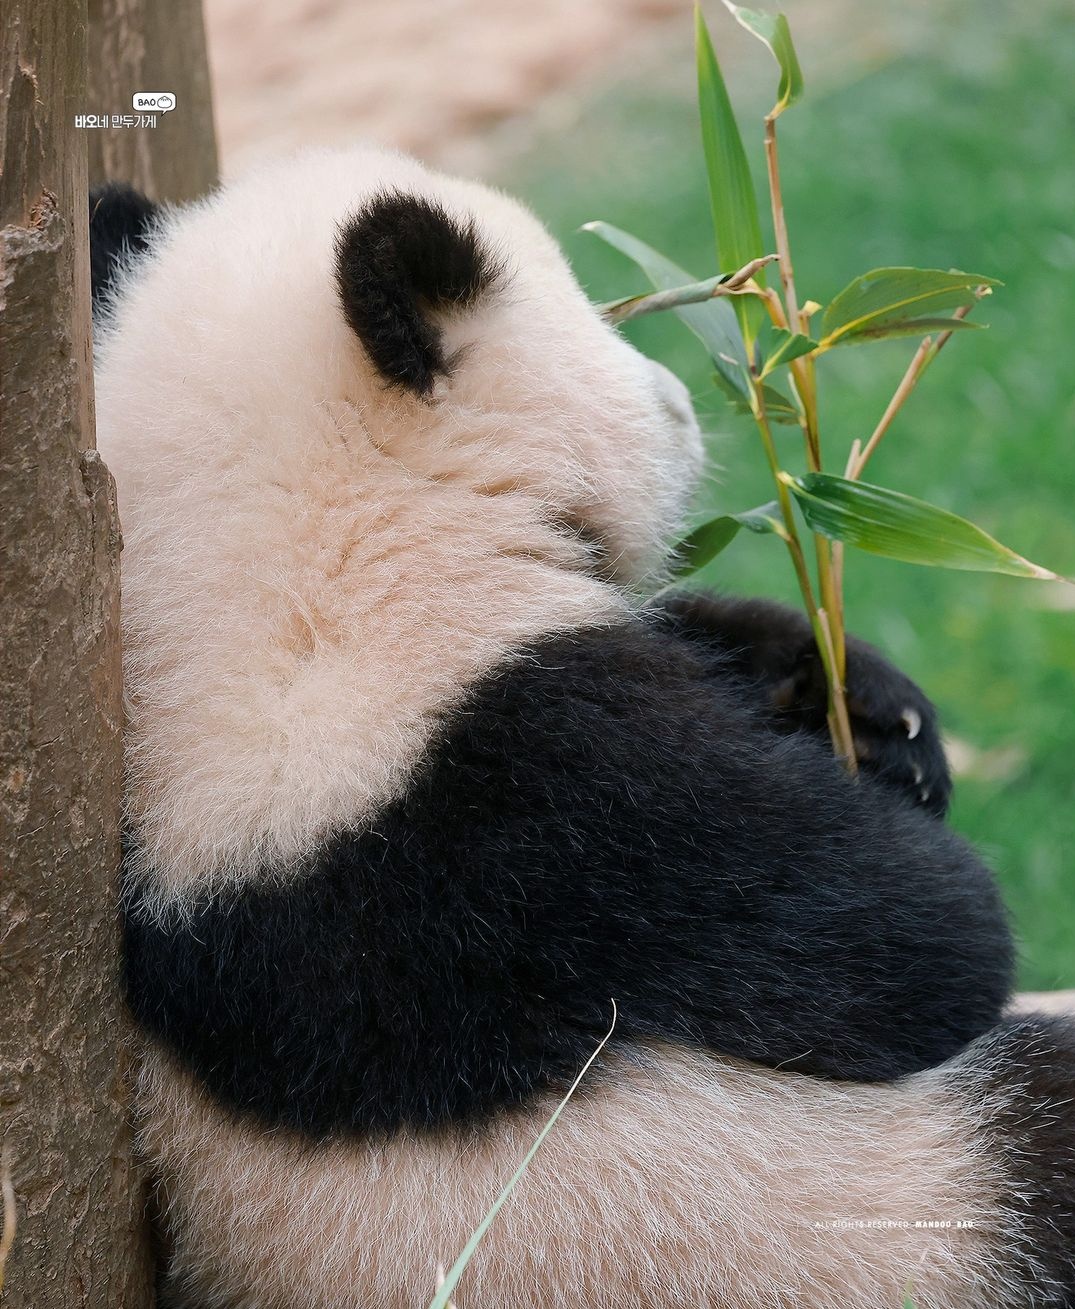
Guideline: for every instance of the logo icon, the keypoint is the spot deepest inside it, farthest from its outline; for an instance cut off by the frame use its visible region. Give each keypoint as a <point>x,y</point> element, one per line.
<point>154,102</point>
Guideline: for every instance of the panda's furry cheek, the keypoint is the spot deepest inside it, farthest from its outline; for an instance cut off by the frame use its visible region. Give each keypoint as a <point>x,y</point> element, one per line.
<point>688,434</point>
<point>674,396</point>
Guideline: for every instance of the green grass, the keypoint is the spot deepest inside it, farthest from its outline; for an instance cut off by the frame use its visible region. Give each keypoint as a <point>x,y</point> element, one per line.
<point>955,153</point>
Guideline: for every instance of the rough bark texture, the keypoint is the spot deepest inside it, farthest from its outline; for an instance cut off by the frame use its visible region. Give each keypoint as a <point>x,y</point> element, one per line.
<point>80,1198</point>
<point>151,45</point>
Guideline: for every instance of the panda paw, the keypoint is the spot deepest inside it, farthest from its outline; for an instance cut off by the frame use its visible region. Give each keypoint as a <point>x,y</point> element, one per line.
<point>895,729</point>
<point>894,726</point>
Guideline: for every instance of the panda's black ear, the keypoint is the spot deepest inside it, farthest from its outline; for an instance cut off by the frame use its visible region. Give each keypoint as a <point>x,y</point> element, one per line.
<point>120,222</point>
<point>397,259</point>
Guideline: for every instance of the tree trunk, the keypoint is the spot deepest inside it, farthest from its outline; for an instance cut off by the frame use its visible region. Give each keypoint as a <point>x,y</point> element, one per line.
<point>152,45</point>
<point>78,1195</point>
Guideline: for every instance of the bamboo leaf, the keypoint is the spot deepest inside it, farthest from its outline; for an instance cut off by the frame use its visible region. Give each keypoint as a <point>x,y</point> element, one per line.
<point>897,526</point>
<point>786,346</point>
<point>777,405</point>
<point>887,301</point>
<point>773,30</point>
<point>713,322</point>
<point>631,306</point>
<point>731,189</point>
<point>710,538</point>
<point>652,302</point>
<point>904,327</point>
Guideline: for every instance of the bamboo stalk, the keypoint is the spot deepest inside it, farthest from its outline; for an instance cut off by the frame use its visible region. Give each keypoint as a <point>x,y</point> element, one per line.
<point>927,351</point>
<point>804,378</point>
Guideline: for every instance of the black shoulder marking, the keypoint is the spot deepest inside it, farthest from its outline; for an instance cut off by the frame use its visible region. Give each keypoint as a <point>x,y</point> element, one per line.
<point>603,820</point>
<point>398,258</point>
<point>120,221</point>
<point>1029,1062</point>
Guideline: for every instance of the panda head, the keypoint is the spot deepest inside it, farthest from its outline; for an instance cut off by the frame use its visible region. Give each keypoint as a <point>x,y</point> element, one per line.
<point>441,315</point>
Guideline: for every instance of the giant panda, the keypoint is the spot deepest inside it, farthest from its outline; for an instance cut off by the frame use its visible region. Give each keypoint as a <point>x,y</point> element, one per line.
<point>420,783</point>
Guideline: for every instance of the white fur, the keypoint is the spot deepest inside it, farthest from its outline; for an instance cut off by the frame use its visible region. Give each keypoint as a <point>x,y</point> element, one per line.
<point>680,1181</point>
<point>316,566</point>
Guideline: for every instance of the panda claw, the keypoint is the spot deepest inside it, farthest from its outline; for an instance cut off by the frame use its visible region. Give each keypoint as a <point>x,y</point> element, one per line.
<point>912,722</point>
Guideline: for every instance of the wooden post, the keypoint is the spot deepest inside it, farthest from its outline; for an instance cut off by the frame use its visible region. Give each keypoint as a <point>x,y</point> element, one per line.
<point>78,1196</point>
<point>152,45</point>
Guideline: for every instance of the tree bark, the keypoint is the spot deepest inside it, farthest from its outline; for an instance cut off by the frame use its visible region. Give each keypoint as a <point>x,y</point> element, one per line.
<point>152,45</point>
<point>78,1194</point>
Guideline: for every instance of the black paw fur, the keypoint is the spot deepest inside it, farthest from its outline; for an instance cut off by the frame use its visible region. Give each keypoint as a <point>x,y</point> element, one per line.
<point>895,729</point>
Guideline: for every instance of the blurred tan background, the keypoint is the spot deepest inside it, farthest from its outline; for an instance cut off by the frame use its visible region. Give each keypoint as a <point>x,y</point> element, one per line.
<point>429,76</point>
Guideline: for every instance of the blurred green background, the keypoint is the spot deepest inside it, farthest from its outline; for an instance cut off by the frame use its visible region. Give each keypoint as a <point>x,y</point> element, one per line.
<point>942,138</point>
